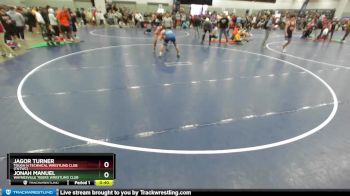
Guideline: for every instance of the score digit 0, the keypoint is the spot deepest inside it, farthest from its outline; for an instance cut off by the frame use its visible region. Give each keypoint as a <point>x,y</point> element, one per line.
<point>106,174</point>
<point>106,164</point>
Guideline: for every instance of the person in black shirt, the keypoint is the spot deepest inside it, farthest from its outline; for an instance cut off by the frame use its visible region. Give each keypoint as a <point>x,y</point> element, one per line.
<point>73,23</point>
<point>196,24</point>
<point>9,26</point>
<point>45,14</point>
<point>223,25</point>
<point>207,27</point>
<point>268,25</point>
<point>332,29</point>
<point>31,20</point>
<point>83,16</point>
<point>79,17</point>
<point>347,31</point>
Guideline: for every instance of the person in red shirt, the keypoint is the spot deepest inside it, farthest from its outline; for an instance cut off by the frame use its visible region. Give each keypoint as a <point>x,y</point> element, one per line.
<point>233,21</point>
<point>94,14</point>
<point>324,26</point>
<point>5,50</point>
<point>63,18</point>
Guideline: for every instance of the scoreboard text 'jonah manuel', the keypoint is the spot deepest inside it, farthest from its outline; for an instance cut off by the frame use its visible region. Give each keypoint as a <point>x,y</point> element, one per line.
<point>61,168</point>
<point>34,173</point>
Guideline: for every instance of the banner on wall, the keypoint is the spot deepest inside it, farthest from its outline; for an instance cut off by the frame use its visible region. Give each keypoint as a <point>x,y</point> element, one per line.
<point>100,6</point>
<point>160,9</point>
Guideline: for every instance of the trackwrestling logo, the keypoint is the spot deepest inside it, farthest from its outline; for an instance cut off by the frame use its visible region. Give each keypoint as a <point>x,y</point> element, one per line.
<point>32,192</point>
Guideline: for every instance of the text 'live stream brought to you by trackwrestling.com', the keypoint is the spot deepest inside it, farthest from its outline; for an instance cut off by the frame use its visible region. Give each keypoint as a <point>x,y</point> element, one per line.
<point>91,192</point>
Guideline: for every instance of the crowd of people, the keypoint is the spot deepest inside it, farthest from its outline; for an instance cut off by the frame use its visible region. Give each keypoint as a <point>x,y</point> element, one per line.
<point>54,24</point>
<point>236,28</point>
<point>59,24</point>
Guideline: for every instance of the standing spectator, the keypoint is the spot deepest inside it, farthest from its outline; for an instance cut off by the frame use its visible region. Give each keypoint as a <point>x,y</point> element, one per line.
<point>94,16</point>
<point>323,26</point>
<point>9,26</point>
<point>309,28</point>
<point>19,21</point>
<point>118,16</point>
<point>54,22</point>
<point>45,14</point>
<point>213,18</point>
<point>79,17</point>
<point>196,24</point>
<point>223,25</point>
<point>100,19</point>
<point>20,26</point>
<point>39,19</point>
<point>238,20</point>
<point>110,17</point>
<point>254,21</point>
<point>125,18</point>
<point>83,16</point>
<point>139,20</point>
<point>177,19</point>
<point>303,23</point>
<point>268,27</point>
<point>207,27</point>
<point>64,18</point>
<point>153,19</point>
<point>73,24</point>
<point>332,28</point>
<point>5,50</point>
<point>167,21</point>
<point>347,31</point>
<point>183,18</point>
<point>233,21</point>
<point>159,19</point>
<point>248,23</point>
<point>31,21</point>
<point>89,17</point>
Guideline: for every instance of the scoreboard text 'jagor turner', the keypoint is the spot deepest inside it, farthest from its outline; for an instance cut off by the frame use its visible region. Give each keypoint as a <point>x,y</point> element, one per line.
<point>47,161</point>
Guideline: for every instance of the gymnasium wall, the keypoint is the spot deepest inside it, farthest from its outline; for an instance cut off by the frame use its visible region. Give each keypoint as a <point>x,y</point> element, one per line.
<point>218,5</point>
<point>53,3</point>
<point>347,10</point>
<point>12,2</point>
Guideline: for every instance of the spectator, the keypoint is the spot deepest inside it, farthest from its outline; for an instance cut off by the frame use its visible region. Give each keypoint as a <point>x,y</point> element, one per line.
<point>54,22</point>
<point>79,17</point>
<point>347,31</point>
<point>73,24</point>
<point>63,19</point>
<point>183,18</point>
<point>20,26</point>
<point>177,19</point>
<point>19,22</point>
<point>196,24</point>
<point>39,19</point>
<point>5,50</point>
<point>207,27</point>
<point>139,20</point>
<point>268,27</point>
<point>9,26</point>
<point>83,16</point>
<point>31,21</point>
<point>223,25</point>
<point>167,21</point>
